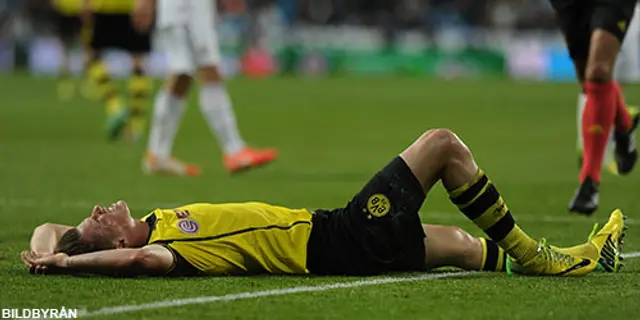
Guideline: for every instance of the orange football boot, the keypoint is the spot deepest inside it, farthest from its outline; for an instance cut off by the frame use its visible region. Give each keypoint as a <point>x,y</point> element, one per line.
<point>170,166</point>
<point>248,158</point>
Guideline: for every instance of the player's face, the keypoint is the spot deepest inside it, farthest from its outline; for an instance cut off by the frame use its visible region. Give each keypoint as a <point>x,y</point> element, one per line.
<point>108,223</point>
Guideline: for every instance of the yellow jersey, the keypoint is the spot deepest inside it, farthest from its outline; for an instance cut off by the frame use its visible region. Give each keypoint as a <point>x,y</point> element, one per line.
<point>235,238</point>
<point>73,7</point>
<point>113,6</point>
<point>67,7</point>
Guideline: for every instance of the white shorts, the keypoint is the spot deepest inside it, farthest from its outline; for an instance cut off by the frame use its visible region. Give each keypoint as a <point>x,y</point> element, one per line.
<point>628,63</point>
<point>188,47</point>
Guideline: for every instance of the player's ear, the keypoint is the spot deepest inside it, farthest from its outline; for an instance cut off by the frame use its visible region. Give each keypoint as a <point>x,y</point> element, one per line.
<point>121,244</point>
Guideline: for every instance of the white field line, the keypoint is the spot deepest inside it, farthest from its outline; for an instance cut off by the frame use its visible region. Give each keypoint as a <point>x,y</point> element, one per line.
<point>631,255</point>
<point>267,293</point>
<point>279,292</point>
<point>561,217</point>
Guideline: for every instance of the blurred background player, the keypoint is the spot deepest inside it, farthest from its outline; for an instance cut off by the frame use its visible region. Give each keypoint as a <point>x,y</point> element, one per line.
<point>187,36</point>
<point>594,32</point>
<point>627,71</point>
<point>69,26</point>
<point>628,64</point>
<point>112,29</point>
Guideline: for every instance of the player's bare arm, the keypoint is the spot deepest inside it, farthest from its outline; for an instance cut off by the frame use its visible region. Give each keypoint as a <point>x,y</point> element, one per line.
<point>149,260</point>
<point>143,14</point>
<point>86,12</point>
<point>46,236</point>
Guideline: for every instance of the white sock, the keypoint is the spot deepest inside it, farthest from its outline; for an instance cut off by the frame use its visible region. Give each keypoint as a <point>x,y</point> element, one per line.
<point>167,112</point>
<point>217,110</point>
<point>582,101</point>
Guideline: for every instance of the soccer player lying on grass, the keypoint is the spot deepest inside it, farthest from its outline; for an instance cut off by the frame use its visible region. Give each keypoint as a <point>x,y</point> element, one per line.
<point>378,231</point>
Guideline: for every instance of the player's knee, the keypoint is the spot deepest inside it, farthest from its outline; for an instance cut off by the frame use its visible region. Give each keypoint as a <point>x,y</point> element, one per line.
<point>442,138</point>
<point>464,245</point>
<point>138,69</point>
<point>91,57</point>
<point>178,85</point>
<point>138,65</point>
<point>580,67</point>
<point>462,238</point>
<point>210,74</point>
<point>447,143</point>
<point>457,248</point>
<point>599,72</point>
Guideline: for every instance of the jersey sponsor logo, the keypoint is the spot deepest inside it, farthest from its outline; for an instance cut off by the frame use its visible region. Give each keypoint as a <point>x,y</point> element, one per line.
<point>622,25</point>
<point>182,214</point>
<point>501,210</point>
<point>595,129</point>
<point>188,226</point>
<point>378,205</point>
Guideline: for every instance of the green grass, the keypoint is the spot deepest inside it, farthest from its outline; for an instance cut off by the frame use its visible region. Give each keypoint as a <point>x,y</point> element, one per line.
<point>332,136</point>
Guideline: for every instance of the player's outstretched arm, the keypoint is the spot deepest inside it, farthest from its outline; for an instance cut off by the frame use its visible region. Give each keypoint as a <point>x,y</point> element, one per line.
<point>46,236</point>
<point>152,260</point>
<point>143,13</point>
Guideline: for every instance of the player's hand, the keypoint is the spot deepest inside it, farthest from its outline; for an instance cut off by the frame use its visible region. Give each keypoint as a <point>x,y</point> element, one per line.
<point>43,263</point>
<point>142,16</point>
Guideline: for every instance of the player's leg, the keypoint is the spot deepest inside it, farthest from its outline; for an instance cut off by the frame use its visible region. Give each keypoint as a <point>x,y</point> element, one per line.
<point>68,32</point>
<point>627,70</point>
<point>574,19</point>
<point>439,155</point>
<point>215,102</point>
<point>105,29</point>
<point>140,84</point>
<point>66,87</point>
<point>623,140</point>
<point>140,87</point>
<point>608,24</point>
<point>454,247</point>
<point>88,88</point>
<point>169,105</point>
<point>609,161</point>
<point>217,109</point>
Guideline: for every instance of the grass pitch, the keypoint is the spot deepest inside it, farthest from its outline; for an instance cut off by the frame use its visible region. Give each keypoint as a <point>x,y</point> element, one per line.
<point>333,135</point>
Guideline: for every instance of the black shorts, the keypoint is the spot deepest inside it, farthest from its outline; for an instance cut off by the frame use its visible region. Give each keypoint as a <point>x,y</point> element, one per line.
<point>68,27</point>
<point>115,31</point>
<point>378,231</point>
<point>579,18</point>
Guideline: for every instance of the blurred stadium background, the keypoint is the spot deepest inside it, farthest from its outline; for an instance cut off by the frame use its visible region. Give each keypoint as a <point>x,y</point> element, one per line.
<point>458,38</point>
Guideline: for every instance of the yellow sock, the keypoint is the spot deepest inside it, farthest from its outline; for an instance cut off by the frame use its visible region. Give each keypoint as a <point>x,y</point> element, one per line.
<point>480,201</point>
<point>140,90</point>
<point>493,257</point>
<point>99,76</point>
<point>114,106</point>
